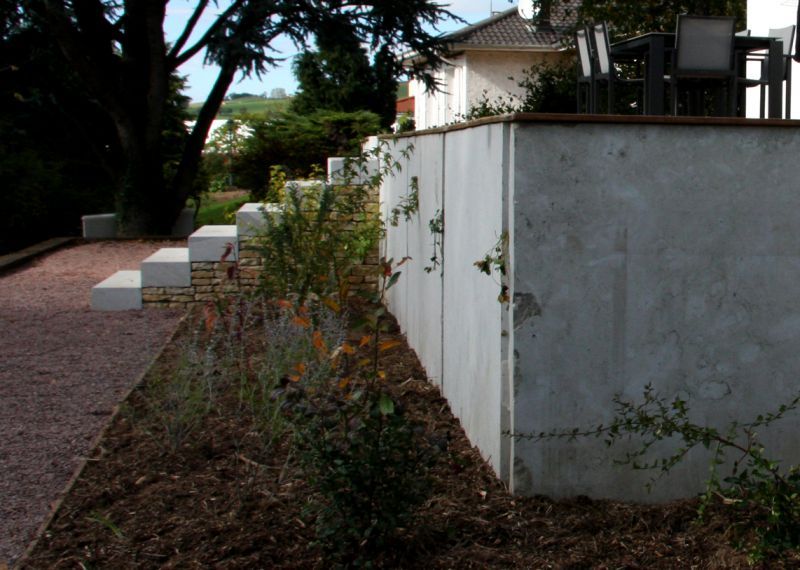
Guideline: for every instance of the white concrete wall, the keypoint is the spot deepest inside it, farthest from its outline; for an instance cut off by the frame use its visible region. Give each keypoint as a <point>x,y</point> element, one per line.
<point>638,254</point>
<point>761,16</point>
<point>472,332</point>
<point>660,254</point>
<point>416,300</point>
<point>451,316</point>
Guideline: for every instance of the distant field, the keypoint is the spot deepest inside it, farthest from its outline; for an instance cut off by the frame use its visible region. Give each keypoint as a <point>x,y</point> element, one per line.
<point>252,105</point>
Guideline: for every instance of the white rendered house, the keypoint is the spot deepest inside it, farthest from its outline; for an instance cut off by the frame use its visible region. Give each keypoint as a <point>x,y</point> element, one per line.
<point>761,16</point>
<point>488,59</point>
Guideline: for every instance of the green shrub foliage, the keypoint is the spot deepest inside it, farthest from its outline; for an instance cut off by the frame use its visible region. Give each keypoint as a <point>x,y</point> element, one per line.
<point>299,144</point>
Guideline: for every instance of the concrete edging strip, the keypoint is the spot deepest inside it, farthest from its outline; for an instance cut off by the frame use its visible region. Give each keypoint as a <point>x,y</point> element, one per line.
<point>11,260</point>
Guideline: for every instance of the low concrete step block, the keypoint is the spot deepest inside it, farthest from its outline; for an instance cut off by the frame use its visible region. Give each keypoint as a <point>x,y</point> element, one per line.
<point>120,292</point>
<point>209,243</point>
<point>99,226</point>
<point>168,267</point>
<point>250,218</point>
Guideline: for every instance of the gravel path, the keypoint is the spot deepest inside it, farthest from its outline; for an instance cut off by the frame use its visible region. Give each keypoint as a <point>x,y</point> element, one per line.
<point>63,367</point>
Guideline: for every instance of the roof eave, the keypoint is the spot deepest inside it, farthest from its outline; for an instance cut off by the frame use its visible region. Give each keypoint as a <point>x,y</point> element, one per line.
<point>552,48</point>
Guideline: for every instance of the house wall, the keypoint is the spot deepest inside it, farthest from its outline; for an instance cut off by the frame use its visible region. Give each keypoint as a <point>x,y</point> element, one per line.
<point>664,254</point>
<point>761,16</point>
<point>495,75</point>
<point>472,77</point>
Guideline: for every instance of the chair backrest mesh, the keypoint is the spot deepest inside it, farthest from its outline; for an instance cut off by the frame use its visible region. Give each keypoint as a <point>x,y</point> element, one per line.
<point>786,35</point>
<point>602,50</point>
<point>584,55</point>
<point>705,44</point>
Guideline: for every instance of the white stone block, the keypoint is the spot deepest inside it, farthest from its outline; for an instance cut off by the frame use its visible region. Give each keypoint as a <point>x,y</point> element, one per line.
<point>120,292</point>
<point>210,242</point>
<point>168,267</point>
<point>99,226</point>
<point>250,218</point>
<point>343,170</point>
<point>184,225</point>
<point>370,144</point>
<point>335,169</point>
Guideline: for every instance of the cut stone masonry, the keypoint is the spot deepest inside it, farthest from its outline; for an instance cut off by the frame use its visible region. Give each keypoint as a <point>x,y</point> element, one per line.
<point>179,277</point>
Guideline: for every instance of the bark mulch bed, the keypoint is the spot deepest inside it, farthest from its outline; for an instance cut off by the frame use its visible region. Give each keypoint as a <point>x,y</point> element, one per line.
<point>217,503</point>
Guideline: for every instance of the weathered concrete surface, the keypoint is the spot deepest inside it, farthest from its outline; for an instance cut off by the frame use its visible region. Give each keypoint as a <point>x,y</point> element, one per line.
<point>651,254</point>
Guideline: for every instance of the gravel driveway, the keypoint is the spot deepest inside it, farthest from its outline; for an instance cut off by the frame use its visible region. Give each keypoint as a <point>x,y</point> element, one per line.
<point>63,367</point>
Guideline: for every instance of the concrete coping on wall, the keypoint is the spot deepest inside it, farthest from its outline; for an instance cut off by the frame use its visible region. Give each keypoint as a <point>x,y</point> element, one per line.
<point>572,118</point>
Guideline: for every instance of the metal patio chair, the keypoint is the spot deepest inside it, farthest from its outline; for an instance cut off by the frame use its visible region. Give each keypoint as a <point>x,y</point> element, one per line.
<point>585,72</point>
<point>786,35</point>
<point>604,70</point>
<point>704,58</point>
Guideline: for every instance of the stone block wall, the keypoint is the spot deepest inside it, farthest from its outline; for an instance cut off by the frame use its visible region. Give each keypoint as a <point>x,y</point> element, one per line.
<point>210,278</point>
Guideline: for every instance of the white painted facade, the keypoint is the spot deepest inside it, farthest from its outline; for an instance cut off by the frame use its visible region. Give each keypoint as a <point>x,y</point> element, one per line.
<point>761,16</point>
<point>470,77</point>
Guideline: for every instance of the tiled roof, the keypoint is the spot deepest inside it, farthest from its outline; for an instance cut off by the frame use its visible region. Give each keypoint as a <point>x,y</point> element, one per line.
<point>508,29</point>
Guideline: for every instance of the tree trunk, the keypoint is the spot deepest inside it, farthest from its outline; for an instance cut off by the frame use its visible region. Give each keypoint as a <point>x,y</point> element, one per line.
<point>184,179</point>
<point>143,205</point>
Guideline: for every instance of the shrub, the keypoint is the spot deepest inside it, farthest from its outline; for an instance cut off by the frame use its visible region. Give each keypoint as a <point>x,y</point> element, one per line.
<point>765,495</point>
<point>298,144</point>
<point>548,88</point>
<point>365,458</point>
<point>319,234</point>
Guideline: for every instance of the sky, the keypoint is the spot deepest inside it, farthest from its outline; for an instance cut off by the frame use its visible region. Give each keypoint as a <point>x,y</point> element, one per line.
<point>201,77</point>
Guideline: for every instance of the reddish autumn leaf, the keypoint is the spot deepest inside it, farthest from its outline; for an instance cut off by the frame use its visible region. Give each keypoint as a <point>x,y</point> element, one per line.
<point>348,349</point>
<point>210,316</point>
<point>228,251</point>
<point>365,340</point>
<point>304,322</point>
<point>319,342</point>
<point>388,344</point>
<point>332,305</point>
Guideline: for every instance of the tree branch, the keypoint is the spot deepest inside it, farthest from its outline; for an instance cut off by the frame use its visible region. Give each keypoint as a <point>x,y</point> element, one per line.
<point>187,31</point>
<point>190,161</point>
<point>179,60</point>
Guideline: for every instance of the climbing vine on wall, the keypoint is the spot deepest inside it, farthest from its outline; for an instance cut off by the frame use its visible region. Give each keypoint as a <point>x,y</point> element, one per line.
<point>495,260</point>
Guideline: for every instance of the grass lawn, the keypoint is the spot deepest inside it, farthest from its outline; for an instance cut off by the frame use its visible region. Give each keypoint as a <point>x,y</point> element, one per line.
<point>250,105</point>
<point>220,207</point>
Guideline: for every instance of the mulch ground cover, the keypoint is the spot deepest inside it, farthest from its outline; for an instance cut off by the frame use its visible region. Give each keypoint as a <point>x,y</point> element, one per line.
<point>218,503</point>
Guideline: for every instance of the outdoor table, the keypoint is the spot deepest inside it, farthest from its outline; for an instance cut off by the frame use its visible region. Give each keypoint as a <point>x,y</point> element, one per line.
<point>655,47</point>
